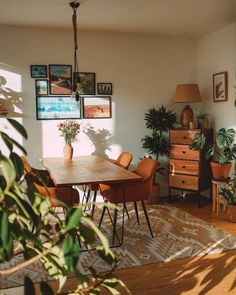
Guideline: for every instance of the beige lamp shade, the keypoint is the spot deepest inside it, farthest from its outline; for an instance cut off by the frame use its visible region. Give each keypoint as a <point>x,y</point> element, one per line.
<point>187,93</point>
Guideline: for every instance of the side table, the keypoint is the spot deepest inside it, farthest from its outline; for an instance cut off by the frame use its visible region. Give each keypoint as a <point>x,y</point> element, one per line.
<point>216,185</point>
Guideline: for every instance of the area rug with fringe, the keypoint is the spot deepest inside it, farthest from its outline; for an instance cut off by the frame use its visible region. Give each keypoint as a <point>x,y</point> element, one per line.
<point>177,234</point>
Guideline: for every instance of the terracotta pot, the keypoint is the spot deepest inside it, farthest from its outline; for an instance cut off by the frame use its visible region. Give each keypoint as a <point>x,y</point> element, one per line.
<point>68,152</point>
<point>220,171</point>
<point>232,213</point>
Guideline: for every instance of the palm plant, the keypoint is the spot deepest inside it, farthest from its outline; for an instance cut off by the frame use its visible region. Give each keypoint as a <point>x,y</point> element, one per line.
<point>159,121</point>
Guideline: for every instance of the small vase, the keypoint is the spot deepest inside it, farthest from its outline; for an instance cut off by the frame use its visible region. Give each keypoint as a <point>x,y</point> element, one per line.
<point>68,152</point>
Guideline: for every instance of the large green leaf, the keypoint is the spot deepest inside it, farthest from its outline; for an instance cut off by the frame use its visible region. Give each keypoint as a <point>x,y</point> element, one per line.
<point>17,162</point>
<point>10,141</point>
<point>225,137</point>
<point>75,218</point>
<point>6,243</point>
<point>20,128</point>
<point>8,171</point>
<point>71,252</point>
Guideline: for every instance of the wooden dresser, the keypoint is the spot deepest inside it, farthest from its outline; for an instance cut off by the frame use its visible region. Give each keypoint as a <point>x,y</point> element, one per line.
<point>188,169</point>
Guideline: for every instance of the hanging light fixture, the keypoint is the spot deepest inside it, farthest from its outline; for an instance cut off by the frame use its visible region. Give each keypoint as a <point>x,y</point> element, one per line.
<point>74,5</point>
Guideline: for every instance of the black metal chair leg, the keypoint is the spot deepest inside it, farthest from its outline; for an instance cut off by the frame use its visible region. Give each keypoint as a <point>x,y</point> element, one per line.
<point>114,226</point>
<point>94,200</point>
<point>147,219</point>
<point>169,195</point>
<point>126,210</point>
<point>103,212</point>
<point>136,212</point>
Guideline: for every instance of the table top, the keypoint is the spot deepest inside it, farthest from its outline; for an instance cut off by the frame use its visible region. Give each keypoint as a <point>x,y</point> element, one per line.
<point>86,170</point>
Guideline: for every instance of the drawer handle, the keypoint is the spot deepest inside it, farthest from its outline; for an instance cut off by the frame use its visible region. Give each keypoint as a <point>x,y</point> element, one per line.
<point>185,137</point>
<point>183,152</point>
<point>183,167</point>
<point>183,181</point>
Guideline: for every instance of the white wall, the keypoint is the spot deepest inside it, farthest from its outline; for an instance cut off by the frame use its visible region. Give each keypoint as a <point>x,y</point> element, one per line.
<point>144,70</point>
<point>216,52</point>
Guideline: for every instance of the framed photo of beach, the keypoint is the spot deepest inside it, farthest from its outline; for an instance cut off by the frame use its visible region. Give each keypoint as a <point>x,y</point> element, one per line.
<point>96,107</point>
<point>60,77</point>
<point>57,108</point>
<point>38,71</point>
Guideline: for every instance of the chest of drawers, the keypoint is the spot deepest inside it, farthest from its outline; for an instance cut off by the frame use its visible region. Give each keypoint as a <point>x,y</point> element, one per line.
<point>188,169</point>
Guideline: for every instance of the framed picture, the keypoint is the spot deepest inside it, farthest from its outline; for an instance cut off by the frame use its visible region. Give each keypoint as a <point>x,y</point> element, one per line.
<point>104,88</point>
<point>96,107</point>
<point>41,87</point>
<point>38,71</point>
<point>85,83</point>
<point>57,107</point>
<point>60,77</point>
<point>220,86</point>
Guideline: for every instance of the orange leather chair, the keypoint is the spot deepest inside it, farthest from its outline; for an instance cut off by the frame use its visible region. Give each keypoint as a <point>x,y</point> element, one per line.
<point>131,192</point>
<point>123,161</point>
<point>45,185</point>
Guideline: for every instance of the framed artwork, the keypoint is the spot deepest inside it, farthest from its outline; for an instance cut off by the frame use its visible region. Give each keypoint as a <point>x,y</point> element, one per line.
<point>41,87</point>
<point>220,86</point>
<point>57,107</point>
<point>104,88</point>
<point>96,107</point>
<point>38,71</point>
<point>85,82</point>
<point>60,77</point>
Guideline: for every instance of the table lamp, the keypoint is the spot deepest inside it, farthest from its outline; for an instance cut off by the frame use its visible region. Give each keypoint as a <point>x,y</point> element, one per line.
<point>187,93</point>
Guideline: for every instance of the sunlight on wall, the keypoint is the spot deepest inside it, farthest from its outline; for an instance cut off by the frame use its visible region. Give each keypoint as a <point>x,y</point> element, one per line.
<point>11,99</point>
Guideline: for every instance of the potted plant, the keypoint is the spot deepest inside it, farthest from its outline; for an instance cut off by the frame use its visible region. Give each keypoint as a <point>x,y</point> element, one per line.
<point>159,121</point>
<point>30,226</point>
<point>229,195</point>
<point>222,151</point>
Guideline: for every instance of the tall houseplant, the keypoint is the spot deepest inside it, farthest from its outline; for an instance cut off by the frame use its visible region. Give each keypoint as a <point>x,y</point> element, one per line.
<point>159,121</point>
<point>29,225</point>
<point>222,151</point>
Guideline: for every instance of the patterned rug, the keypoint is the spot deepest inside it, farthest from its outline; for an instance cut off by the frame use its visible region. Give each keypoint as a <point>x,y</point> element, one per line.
<point>177,234</point>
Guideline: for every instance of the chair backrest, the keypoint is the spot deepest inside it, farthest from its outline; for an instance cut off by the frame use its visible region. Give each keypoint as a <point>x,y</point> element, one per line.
<point>27,167</point>
<point>67,195</point>
<point>124,160</point>
<point>135,191</point>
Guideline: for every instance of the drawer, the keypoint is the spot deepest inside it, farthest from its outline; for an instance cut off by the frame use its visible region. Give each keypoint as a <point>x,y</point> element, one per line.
<point>184,182</point>
<point>183,167</point>
<point>182,136</point>
<point>183,152</point>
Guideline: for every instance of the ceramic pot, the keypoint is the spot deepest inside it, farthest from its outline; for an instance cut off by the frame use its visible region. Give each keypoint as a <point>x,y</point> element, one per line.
<point>220,171</point>
<point>232,213</point>
<point>68,152</point>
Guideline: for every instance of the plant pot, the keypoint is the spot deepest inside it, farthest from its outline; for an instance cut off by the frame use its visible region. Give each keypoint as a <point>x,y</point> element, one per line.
<point>232,213</point>
<point>68,152</point>
<point>155,196</point>
<point>220,171</point>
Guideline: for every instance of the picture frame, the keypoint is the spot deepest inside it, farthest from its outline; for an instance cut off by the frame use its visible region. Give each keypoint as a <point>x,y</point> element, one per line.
<point>96,107</point>
<point>41,87</point>
<point>38,71</point>
<point>104,88</point>
<point>60,79</point>
<point>220,86</point>
<point>86,82</point>
<point>57,108</point>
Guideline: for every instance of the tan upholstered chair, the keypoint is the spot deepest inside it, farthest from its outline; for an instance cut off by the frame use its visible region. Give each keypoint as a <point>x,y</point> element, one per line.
<point>132,192</point>
<point>123,160</point>
<point>45,185</point>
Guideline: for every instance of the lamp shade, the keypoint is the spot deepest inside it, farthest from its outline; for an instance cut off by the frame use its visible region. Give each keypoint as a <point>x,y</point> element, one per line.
<point>187,93</point>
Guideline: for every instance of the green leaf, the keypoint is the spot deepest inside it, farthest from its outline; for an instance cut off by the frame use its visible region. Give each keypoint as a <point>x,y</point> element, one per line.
<point>107,257</point>
<point>17,162</point>
<point>18,127</point>
<point>6,242</point>
<point>8,171</point>
<point>12,142</point>
<point>71,252</point>
<point>111,290</point>
<point>45,289</point>
<point>225,137</point>
<point>7,142</point>
<point>75,218</point>
<point>28,287</point>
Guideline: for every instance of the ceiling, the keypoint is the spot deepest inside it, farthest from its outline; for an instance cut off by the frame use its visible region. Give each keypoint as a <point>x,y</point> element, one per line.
<point>165,17</point>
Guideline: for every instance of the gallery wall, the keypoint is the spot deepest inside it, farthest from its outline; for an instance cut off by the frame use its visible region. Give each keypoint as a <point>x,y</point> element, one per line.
<point>144,70</point>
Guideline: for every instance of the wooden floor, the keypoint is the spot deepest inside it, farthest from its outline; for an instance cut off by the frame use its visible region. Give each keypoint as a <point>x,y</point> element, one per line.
<point>209,274</point>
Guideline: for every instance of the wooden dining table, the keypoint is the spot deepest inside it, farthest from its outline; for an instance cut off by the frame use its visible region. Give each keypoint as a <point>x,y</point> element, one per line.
<point>86,170</point>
